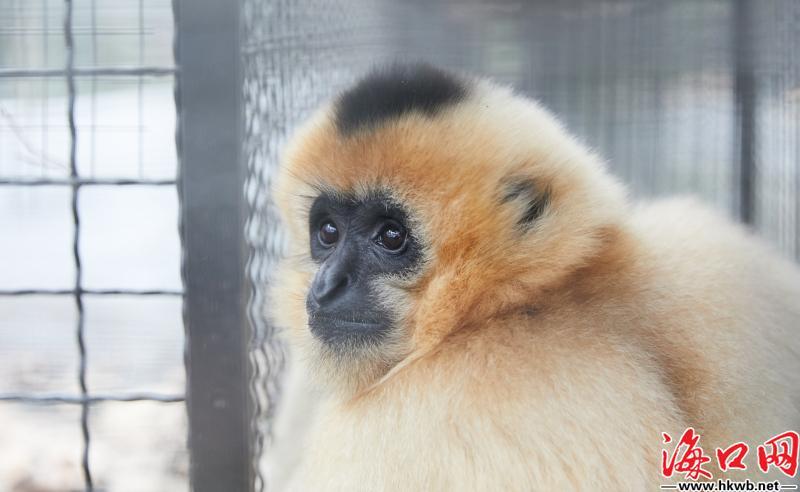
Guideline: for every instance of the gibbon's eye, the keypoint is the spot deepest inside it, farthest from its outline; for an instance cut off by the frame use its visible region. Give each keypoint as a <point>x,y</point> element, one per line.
<point>392,236</point>
<point>328,233</point>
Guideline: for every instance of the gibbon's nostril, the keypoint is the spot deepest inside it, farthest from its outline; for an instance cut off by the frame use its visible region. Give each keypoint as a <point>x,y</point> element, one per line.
<point>328,285</point>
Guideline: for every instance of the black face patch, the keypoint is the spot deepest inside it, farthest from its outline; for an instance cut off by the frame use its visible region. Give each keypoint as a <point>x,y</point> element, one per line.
<point>356,243</point>
<point>533,198</point>
<point>389,93</point>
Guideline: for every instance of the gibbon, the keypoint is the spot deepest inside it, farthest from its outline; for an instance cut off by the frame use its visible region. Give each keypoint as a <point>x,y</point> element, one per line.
<point>483,309</point>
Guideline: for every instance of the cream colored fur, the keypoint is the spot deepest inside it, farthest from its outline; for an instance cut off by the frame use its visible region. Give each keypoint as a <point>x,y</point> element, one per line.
<point>551,359</point>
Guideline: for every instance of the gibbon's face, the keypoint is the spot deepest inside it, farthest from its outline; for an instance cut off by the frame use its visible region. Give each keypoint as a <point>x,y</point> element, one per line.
<point>419,203</point>
<point>356,243</point>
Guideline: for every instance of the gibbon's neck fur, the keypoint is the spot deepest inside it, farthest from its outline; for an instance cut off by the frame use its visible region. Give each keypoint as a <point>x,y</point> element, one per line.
<point>510,210</point>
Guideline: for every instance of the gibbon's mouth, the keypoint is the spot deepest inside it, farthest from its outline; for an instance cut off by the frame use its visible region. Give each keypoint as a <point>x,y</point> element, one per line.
<point>333,331</point>
<point>356,324</point>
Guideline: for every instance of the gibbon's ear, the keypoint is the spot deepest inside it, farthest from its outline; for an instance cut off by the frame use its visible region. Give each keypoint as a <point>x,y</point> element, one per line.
<point>533,199</point>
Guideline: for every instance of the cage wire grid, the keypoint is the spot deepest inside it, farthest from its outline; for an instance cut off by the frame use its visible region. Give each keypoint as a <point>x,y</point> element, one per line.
<point>261,227</point>
<point>75,181</point>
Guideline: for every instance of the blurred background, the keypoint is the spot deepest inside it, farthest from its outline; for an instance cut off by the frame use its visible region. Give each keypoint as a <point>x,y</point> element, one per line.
<point>138,140</point>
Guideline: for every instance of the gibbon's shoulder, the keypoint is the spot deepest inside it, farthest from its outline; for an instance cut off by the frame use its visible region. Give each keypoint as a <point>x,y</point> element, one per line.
<point>685,222</point>
<point>712,283</point>
<point>718,298</point>
<point>686,235</point>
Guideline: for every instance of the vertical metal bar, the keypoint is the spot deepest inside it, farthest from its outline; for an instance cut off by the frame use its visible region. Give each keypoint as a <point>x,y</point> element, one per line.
<point>211,187</point>
<point>45,89</point>
<point>73,168</point>
<point>93,149</point>
<point>745,100</point>
<point>139,96</point>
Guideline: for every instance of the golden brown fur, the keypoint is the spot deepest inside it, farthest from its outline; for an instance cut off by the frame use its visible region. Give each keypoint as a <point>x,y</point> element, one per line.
<point>546,359</point>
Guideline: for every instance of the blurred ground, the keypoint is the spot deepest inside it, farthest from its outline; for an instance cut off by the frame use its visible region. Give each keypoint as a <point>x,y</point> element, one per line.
<point>135,447</point>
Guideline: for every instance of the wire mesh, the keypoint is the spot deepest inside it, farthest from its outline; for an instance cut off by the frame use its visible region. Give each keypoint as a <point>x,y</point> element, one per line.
<point>74,175</point>
<point>293,58</point>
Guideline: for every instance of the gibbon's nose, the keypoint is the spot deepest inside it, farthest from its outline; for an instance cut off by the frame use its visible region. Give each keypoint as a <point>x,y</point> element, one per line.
<point>330,283</point>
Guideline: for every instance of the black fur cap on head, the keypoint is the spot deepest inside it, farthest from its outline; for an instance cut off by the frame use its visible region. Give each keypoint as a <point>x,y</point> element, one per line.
<point>389,93</point>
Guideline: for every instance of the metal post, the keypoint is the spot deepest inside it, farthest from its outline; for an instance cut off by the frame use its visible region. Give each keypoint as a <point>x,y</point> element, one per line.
<point>211,184</point>
<point>745,99</point>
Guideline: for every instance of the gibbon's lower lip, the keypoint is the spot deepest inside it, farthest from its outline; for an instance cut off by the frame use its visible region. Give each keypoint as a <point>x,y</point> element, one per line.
<point>344,323</point>
<point>337,331</point>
